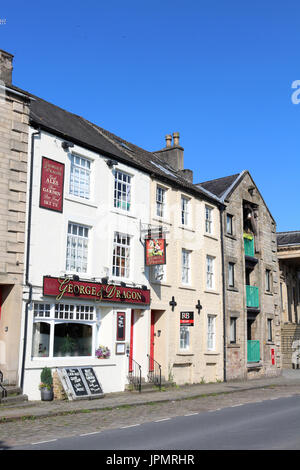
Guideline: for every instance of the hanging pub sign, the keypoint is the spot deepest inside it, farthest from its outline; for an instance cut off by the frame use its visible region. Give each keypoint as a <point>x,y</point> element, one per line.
<point>187,318</point>
<point>155,251</point>
<point>68,287</point>
<point>52,185</point>
<point>120,326</point>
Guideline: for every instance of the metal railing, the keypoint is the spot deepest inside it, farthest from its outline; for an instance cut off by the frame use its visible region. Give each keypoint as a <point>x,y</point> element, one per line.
<point>3,390</point>
<point>135,374</point>
<point>154,371</point>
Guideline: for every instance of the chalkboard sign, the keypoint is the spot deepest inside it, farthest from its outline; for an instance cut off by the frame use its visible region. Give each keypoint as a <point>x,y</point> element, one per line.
<point>121,326</point>
<point>92,381</point>
<point>80,382</point>
<point>76,381</point>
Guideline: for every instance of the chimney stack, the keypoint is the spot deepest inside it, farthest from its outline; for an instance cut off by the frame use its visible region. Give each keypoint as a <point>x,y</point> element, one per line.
<point>6,67</point>
<point>172,154</point>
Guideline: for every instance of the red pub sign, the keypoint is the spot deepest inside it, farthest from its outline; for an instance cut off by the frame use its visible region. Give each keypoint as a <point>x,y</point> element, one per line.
<point>155,251</point>
<point>52,185</point>
<point>67,287</point>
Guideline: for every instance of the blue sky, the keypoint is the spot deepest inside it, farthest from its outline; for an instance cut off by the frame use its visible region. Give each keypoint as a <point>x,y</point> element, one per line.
<point>218,72</point>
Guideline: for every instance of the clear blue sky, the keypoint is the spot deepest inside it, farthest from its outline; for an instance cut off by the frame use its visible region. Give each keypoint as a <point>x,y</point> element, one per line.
<point>219,72</point>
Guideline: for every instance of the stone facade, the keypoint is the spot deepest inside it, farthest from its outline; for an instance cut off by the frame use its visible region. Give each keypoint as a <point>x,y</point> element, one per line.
<point>251,323</point>
<point>14,113</point>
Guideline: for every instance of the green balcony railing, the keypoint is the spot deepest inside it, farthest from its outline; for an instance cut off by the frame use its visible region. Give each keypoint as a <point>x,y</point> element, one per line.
<point>252,296</point>
<point>249,247</point>
<point>253,351</point>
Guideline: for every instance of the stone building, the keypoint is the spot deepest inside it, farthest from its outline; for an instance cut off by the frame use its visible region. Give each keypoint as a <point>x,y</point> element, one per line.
<point>186,334</point>
<point>288,250</point>
<point>14,112</point>
<point>251,279</point>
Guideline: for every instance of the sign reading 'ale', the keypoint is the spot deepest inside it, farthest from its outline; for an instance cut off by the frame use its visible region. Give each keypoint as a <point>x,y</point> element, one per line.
<point>52,185</point>
<point>155,251</point>
<point>67,287</point>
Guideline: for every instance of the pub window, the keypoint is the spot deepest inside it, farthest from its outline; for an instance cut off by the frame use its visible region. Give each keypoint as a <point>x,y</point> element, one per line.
<point>77,248</point>
<point>63,330</point>
<point>80,176</point>
<point>121,255</point>
<point>122,190</point>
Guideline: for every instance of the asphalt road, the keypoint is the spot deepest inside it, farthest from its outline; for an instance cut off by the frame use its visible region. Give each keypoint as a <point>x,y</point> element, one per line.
<point>272,424</point>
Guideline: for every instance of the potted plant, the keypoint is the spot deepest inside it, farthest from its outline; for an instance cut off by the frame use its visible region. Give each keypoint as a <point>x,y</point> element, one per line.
<point>46,385</point>
<point>68,346</point>
<point>102,352</point>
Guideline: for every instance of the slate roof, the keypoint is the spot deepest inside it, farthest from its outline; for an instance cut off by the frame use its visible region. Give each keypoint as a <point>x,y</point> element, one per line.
<point>288,238</point>
<point>82,132</point>
<point>219,186</point>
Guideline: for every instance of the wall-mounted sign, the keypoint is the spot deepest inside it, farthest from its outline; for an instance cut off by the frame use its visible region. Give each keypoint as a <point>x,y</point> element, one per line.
<point>187,318</point>
<point>67,287</point>
<point>155,251</point>
<point>120,326</point>
<point>52,185</point>
<point>80,382</point>
<point>273,356</point>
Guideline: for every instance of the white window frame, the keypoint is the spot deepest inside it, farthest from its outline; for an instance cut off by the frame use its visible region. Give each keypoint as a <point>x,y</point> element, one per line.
<point>210,272</point>
<point>118,252</point>
<point>122,190</point>
<point>208,219</point>
<point>74,242</point>
<point>80,176</point>
<point>185,266</point>
<point>62,312</point>
<point>211,332</point>
<point>184,338</point>
<point>185,211</point>
<point>160,198</point>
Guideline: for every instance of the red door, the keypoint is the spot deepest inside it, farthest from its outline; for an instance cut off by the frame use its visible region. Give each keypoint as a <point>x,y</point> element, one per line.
<point>152,341</point>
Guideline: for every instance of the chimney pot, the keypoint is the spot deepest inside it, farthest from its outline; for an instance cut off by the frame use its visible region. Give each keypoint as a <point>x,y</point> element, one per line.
<point>176,139</point>
<point>168,140</point>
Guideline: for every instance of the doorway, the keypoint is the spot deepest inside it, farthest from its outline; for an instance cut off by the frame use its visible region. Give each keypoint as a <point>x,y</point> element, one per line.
<point>157,338</point>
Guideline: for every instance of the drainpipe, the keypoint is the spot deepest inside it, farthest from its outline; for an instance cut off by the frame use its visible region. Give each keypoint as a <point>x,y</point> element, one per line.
<point>224,293</point>
<point>27,283</point>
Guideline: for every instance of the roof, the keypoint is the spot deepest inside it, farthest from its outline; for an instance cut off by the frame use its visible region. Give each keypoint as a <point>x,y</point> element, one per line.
<point>219,186</point>
<point>80,131</point>
<point>288,238</point>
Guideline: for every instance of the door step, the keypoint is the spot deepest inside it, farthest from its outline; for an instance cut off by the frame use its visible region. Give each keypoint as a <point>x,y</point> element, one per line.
<point>14,395</point>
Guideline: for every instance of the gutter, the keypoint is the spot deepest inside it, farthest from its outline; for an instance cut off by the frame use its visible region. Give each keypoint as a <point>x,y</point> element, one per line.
<point>27,283</point>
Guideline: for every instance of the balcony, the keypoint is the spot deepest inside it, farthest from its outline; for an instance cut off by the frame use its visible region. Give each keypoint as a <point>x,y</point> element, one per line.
<point>253,351</point>
<point>249,245</point>
<point>252,297</point>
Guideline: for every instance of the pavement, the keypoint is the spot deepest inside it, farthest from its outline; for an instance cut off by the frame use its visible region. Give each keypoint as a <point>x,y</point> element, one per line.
<point>40,409</point>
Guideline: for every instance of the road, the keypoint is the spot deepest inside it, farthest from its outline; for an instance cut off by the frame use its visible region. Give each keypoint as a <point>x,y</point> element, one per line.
<point>266,419</point>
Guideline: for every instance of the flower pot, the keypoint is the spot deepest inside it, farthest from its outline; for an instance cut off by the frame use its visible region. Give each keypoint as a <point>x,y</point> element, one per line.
<point>46,394</point>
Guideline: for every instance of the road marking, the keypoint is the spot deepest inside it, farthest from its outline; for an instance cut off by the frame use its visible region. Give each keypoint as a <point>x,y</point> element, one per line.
<point>234,406</point>
<point>130,426</point>
<point>164,419</point>
<point>192,414</point>
<point>42,442</point>
<point>89,433</point>
<point>212,411</point>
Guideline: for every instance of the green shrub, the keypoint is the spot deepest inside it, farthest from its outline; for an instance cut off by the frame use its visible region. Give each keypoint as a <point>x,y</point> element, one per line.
<point>46,377</point>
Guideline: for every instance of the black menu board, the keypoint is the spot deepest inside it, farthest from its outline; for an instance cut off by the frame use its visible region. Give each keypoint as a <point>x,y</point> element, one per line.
<point>91,380</point>
<point>80,382</point>
<point>76,381</point>
<point>120,326</point>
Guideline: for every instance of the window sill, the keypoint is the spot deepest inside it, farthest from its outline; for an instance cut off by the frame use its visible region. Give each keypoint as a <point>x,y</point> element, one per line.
<point>157,283</point>
<point>268,293</point>
<point>233,289</point>
<point>230,236</point>
<point>85,202</point>
<point>211,236</point>
<point>211,353</point>
<point>161,220</point>
<point>123,212</point>
<point>186,287</point>
<point>187,228</point>
<point>185,354</point>
<point>208,291</point>
<point>233,345</point>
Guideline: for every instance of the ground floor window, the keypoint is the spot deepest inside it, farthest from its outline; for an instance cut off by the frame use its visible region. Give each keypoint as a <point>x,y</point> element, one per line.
<point>184,337</point>
<point>64,330</point>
